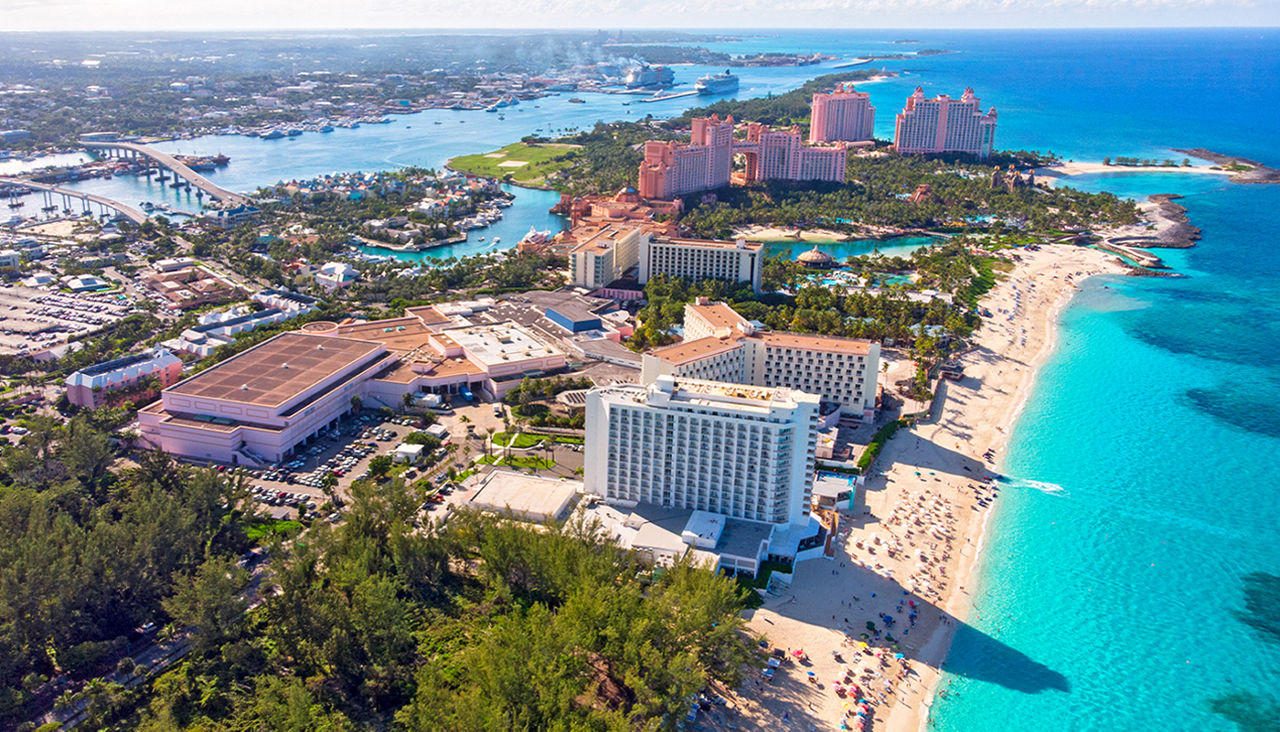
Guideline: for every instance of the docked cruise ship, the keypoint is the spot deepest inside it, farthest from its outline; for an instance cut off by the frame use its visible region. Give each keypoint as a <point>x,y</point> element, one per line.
<point>717,83</point>
<point>645,76</point>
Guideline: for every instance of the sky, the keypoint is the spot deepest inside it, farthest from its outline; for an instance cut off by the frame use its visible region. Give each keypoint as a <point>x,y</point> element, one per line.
<point>53,15</point>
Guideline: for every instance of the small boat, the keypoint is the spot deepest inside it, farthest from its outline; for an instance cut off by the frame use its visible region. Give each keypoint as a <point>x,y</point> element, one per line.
<point>326,128</point>
<point>576,100</point>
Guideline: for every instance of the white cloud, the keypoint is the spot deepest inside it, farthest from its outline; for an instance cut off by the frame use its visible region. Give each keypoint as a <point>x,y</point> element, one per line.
<point>164,14</point>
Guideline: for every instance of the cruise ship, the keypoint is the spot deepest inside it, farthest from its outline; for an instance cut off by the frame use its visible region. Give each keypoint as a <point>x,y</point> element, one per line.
<point>717,83</point>
<point>645,76</point>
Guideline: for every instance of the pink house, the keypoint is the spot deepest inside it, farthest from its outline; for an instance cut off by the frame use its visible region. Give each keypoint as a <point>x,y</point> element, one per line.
<point>89,387</point>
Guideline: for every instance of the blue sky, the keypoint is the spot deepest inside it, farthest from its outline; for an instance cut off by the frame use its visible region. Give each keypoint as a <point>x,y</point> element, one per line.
<point>400,14</point>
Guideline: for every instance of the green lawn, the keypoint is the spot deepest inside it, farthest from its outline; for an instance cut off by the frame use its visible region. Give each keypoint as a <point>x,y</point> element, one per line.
<point>533,439</point>
<point>518,461</point>
<point>540,160</point>
<point>263,529</point>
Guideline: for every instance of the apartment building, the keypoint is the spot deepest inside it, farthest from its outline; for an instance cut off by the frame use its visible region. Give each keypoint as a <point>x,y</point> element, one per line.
<point>89,387</point>
<point>843,115</point>
<point>782,155</point>
<point>721,345</point>
<point>702,259</point>
<point>604,251</point>
<point>943,124</point>
<point>745,452</point>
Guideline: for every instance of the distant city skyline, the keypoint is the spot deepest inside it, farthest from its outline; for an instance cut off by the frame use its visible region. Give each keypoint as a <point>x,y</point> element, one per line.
<point>55,15</point>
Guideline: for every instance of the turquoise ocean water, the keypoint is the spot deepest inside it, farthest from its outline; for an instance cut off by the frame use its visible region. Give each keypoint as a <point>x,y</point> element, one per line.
<point>1143,487</point>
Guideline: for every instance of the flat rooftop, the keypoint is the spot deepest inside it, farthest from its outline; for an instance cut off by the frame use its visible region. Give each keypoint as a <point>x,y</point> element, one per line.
<point>719,315</point>
<point>500,343</point>
<point>527,496</point>
<point>748,246</point>
<point>699,348</point>
<point>397,334</point>
<point>277,371</point>
<point>830,344</point>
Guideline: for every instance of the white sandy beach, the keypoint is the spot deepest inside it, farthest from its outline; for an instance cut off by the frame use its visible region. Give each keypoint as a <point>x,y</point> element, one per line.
<point>1061,170</point>
<point>757,232</point>
<point>916,537</point>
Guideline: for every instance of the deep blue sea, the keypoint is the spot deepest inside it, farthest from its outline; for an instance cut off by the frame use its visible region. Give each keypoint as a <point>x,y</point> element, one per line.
<point>1143,488</point>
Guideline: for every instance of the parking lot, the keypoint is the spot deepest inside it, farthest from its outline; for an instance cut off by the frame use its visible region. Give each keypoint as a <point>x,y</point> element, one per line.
<point>344,452</point>
<point>32,320</point>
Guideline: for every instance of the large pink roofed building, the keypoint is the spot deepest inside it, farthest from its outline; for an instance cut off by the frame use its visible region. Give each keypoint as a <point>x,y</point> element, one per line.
<point>943,124</point>
<point>843,115</point>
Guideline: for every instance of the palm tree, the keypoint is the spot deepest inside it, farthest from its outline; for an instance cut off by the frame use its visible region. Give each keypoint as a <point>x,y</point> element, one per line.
<point>489,441</point>
<point>548,446</point>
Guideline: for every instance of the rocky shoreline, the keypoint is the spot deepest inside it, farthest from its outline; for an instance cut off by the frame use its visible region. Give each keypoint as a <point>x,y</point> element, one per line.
<point>1256,173</point>
<point>1175,230</point>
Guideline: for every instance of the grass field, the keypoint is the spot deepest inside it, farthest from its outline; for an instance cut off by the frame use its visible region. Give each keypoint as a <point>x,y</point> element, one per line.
<point>533,439</point>
<point>263,529</point>
<point>518,461</point>
<point>525,163</point>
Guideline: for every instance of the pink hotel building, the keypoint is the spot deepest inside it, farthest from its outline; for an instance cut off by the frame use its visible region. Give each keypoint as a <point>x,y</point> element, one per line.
<point>843,115</point>
<point>943,124</point>
<point>672,169</point>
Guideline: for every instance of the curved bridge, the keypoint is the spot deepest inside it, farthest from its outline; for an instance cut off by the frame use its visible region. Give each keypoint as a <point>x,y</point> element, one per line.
<point>178,167</point>
<point>127,211</point>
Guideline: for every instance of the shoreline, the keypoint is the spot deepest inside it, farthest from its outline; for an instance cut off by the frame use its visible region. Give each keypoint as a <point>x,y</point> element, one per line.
<point>920,525</point>
<point>1058,171</point>
<point>960,604</point>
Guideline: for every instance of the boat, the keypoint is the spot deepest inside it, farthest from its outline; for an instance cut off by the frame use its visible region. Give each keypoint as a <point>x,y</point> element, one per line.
<point>438,122</point>
<point>717,83</point>
<point>576,100</point>
<point>274,134</point>
<point>491,108</point>
<point>294,132</point>
<point>644,76</point>
<point>326,128</point>
<point>497,239</point>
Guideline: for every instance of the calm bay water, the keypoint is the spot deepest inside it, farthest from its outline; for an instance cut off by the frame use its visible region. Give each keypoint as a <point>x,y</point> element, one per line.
<point>1142,487</point>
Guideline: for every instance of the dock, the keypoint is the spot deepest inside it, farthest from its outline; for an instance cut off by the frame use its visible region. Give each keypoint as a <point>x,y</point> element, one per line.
<point>677,95</point>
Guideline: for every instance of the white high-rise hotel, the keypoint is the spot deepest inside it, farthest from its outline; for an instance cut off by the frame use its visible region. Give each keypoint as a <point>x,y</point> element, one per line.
<point>745,452</point>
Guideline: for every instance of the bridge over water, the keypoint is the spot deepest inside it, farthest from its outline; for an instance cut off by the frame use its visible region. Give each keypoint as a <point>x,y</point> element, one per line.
<point>88,199</point>
<point>179,168</point>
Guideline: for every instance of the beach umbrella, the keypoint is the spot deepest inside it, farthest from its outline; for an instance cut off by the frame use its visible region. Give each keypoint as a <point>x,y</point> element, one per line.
<point>812,675</point>
<point>898,655</point>
<point>799,652</point>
